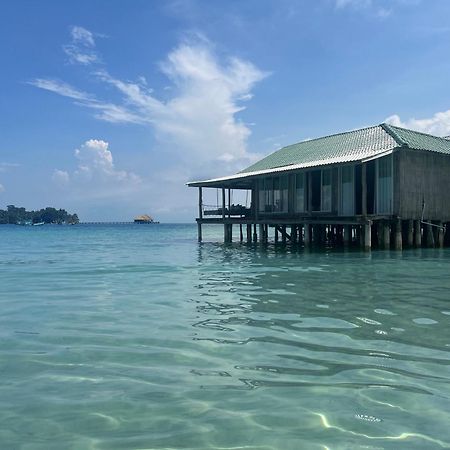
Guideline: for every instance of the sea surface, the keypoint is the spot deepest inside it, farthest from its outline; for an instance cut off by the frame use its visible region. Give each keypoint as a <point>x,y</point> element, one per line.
<point>137,337</point>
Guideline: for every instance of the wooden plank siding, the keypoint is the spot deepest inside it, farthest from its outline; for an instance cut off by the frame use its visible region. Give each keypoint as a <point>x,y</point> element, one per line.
<point>423,176</point>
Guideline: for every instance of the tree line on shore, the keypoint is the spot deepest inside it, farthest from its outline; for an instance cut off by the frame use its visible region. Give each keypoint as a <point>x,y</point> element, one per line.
<point>15,215</point>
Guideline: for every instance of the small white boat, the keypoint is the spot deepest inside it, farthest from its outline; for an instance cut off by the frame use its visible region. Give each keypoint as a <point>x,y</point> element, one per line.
<point>38,224</point>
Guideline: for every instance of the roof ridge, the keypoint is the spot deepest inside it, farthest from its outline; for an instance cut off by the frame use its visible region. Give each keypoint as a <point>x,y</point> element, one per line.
<point>330,135</point>
<point>388,128</point>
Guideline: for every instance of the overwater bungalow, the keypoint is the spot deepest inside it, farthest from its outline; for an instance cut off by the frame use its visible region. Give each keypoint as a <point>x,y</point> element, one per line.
<point>381,185</point>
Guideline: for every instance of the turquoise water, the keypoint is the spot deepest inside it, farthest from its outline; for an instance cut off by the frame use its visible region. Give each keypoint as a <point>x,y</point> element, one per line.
<point>133,337</point>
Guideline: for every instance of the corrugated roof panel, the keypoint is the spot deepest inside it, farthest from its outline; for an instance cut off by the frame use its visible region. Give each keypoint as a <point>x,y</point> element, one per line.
<point>353,145</point>
<point>422,141</point>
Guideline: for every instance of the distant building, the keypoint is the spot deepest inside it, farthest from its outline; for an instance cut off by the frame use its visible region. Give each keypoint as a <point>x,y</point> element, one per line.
<point>143,219</point>
<point>384,184</point>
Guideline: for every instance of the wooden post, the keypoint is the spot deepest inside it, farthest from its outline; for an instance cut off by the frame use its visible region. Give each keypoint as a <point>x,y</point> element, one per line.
<point>307,234</point>
<point>358,236</point>
<point>276,234</point>
<point>283,234</point>
<point>417,233</point>
<point>261,233</point>
<point>347,235</point>
<point>410,233</point>
<point>249,233</point>
<point>255,234</point>
<point>266,233</point>
<point>223,204</point>
<point>241,235</point>
<point>229,202</point>
<point>200,214</point>
<point>300,233</point>
<point>398,235</point>
<point>386,234</point>
<point>429,234</point>
<point>293,234</point>
<point>440,236</point>
<point>367,236</point>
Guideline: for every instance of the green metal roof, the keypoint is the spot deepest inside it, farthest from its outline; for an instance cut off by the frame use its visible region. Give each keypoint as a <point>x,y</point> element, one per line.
<point>420,141</point>
<point>352,146</point>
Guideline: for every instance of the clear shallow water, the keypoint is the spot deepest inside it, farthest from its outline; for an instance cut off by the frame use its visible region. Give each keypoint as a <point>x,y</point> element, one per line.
<point>133,337</point>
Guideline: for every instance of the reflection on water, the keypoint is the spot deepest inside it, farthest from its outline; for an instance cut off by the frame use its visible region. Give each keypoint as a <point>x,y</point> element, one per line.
<point>137,337</point>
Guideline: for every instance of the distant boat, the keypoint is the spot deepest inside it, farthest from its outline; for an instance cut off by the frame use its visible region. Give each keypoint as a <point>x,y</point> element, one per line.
<point>144,219</point>
<point>38,224</point>
<point>25,222</point>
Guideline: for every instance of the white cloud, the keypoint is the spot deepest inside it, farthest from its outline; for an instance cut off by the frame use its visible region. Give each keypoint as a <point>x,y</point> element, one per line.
<point>96,175</point>
<point>438,124</point>
<point>82,36</point>
<point>61,88</point>
<point>61,177</point>
<point>95,162</point>
<point>81,49</point>
<point>198,123</point>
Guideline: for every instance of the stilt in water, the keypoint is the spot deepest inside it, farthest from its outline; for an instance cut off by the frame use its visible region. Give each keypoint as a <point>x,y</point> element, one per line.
<point>293,234</point>
<point>430,236</point>
<point>249,233</point>
<point>410,233</point>
<point>417,234</point>
<point>283,234</point>
<point>440,235</point>
<point>398,242</point>
<point>367,228</point>
<point>276,234</point>
<point>386,234</point>
<point>347,235</point>
<point>307,234</point>
<point>255,234</point>
<point>261,233</point>
<point>199,229</point>
<point>241,235</point>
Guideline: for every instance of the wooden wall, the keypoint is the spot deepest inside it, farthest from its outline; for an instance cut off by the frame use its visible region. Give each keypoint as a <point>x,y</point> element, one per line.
<point>422,175</point>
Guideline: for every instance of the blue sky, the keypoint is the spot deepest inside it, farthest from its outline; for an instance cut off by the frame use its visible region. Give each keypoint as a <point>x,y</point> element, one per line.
<point>108,107</point>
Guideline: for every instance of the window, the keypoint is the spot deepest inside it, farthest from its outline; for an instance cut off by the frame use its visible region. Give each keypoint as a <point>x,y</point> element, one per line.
<point>299,202</point>
<point>326,190</point>
<point>384,185</point>
<point>347,207</point>
<point>273,194</point>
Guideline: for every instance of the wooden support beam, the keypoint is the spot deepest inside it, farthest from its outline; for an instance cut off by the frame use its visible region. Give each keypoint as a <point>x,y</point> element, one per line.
<point>293,233</point>
<point>347,235</point>
<point>440,236</point>
<point>367,236</point>
<point>223,203</point>
<point>241,235</point>
<point>200,214</point>
<point>255,234</point>
<point>249,233</point>
<point>410,233</point>
<point>398,242</point>
<point>417,233</point>
<point>386,234</point>
<point>429,235</point>
<point>276,234</point>
<point>262,238</point>
<point>283,234</point>
<point>307,234</point>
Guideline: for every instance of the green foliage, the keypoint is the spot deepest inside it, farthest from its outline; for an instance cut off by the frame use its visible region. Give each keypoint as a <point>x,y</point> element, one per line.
<point>14,215</point>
